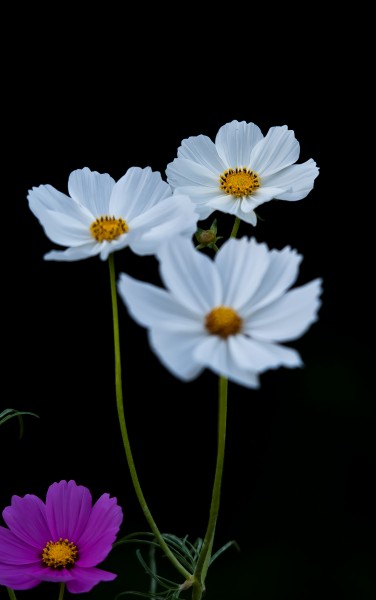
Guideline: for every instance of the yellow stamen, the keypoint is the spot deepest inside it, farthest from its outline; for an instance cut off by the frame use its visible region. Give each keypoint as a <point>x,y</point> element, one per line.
<point>239,182</point>
<point>59,555</point>
<point>223,321</point>
<point>108,228</point>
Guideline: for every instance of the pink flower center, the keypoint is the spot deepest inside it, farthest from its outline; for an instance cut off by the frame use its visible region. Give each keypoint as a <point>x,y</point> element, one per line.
<point>59,555</point>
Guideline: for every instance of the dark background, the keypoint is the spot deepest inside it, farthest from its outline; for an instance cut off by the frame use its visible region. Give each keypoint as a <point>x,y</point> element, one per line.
<point>298,494</point>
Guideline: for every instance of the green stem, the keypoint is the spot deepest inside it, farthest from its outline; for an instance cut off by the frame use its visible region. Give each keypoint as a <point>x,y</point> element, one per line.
<point>235,227</point>
<point>11,593</point>
<point>61,592</point>
<point>124,432</point>
<point>153,569</point>
<point>206,550</point>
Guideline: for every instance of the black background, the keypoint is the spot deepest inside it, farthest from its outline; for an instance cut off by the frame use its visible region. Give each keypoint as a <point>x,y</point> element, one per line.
<point>298,492</point>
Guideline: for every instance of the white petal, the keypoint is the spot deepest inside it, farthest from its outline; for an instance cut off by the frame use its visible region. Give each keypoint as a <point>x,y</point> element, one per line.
<point>287,357</point>
<point>226,203</point>
<point>175,351</point>
<point>200,196</point>
<point>191,276</point>
<point>91,189</point>
<point>182,172</point>
<point>136,192</point>
<point>107,248</point>
<point>250,218</point>
<point>297,180</point>
<point>235,141</point>
<point>201,150</point>
<point>47,198</point>
<point>167,210</point>
<point>282,272</point>
<point>277,150</point>
<point>77,253</point>
<point>65,230</point>
<point>123,241</point>
<point>242,264</point>
<point>262,195</point>
<point>175,215</point>
<point>232,206</point>
<point>214,353</point>
<point>288,317</point>
<point>243,377</point>
<point>261,356</point>
<point>198,193</point>
<point>246,206</point>
<point>152,306</point>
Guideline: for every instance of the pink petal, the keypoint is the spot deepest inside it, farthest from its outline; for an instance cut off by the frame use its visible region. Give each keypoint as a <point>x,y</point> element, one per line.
<point>26,518</point>
<point>17,578</point>
<point>100,533</point>
<point>43,573</point>
<point>14,551</point>
<point>85,579</point>
<point>68,508</point>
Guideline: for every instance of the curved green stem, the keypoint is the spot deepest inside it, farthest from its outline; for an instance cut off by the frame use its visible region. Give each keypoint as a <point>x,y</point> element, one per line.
<point>206,550</point>
<point>235,227</point>
<point>11,593</point>
<point>61,591</point>
<point>124,432</point>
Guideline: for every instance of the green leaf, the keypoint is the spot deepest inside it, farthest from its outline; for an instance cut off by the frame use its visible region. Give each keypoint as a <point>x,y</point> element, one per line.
<point>223,549</point>
<point>9,413</point>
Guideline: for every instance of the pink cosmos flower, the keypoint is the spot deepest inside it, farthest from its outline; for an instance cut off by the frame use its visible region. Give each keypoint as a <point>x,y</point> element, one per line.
<point>61,540</point>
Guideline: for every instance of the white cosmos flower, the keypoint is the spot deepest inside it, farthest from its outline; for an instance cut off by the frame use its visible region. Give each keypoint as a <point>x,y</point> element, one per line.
<point>101,216</point>
<point>228,314</point>
<point>241,170</point>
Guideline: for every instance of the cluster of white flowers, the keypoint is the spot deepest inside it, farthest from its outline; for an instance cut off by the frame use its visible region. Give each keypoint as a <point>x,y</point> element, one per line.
<point>227,313</point>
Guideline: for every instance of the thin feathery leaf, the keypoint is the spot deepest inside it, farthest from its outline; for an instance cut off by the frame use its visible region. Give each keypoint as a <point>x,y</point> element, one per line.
<point>9,413</point>
<point>184,551</point>
<point>163,581</point>
<point>223,549</point>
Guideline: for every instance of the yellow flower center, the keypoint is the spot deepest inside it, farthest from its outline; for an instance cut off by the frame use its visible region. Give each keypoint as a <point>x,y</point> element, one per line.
<point>108,228</point>
<point>223,321</point>
<point>239,182</point>
<point>59,555</point>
